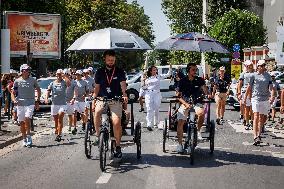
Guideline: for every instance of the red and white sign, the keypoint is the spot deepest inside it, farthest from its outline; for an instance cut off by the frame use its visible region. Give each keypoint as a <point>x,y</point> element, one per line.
<point>42,30</point>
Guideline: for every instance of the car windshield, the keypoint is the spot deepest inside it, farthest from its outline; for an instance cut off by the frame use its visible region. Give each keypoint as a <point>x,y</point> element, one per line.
<point>43,84</point>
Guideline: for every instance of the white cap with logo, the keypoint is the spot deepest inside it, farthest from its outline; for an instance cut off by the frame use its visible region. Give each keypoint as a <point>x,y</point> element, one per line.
<point>260,63</point>
<point>24,67</point>
<point>59,71</point>
<point>79,72</point>
<point>248,62</point>
<point>67,71</point>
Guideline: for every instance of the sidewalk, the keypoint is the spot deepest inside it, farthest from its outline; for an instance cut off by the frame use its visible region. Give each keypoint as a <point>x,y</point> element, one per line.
<point>10,133</point>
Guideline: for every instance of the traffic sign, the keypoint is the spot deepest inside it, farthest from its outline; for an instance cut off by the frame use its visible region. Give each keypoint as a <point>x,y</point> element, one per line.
<point>236,55</point>
<point>236,47</point>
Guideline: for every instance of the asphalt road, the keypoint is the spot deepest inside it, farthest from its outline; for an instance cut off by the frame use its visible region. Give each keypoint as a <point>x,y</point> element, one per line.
<point>234,164</point>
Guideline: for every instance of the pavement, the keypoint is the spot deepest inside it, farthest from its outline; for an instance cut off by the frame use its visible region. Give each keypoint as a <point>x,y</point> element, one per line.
<point>236,163</point>
<point>10,132</point>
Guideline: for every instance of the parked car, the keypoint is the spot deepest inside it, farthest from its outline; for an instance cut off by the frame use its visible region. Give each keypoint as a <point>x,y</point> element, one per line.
<point>43,84</point>
<point>129,76</point>
<point>134,84</point>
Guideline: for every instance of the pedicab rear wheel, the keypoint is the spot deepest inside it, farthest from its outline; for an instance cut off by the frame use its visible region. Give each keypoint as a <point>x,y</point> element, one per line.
<point>165,131</point>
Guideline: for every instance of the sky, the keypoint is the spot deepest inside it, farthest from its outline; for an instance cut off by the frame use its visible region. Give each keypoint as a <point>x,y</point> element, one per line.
<point>153,9</point>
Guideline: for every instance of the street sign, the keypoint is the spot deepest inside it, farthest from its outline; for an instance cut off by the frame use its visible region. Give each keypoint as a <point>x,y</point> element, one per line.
<point>236,55</point>
<point>236,48</point>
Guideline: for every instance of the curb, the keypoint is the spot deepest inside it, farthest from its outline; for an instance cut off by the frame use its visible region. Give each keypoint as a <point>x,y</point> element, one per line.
<point>18,137</point>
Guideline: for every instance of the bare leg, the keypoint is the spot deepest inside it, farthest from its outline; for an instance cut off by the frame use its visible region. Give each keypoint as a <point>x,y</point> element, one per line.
<point>60,123</point>
<point>23,129</point>
<point>180,130</point>
<point>117,131</point>
<point>255,124</point>
<point>55,117</point>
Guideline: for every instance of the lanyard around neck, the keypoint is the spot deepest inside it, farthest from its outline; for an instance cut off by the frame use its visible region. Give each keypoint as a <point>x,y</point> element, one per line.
<point>109,80</point>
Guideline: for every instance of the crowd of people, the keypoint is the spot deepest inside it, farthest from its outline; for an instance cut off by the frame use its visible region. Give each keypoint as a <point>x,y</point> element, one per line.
<point>257,93</point>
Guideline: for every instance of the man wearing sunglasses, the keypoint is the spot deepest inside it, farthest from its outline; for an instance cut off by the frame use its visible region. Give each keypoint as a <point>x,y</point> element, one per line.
<point>23,96</point>
<point>260,88</point>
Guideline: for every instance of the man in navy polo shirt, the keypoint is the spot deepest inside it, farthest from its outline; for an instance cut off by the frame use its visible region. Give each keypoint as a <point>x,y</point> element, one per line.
<point>110,82</point>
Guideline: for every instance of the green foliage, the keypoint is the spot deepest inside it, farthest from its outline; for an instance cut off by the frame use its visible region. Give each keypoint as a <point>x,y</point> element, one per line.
<point>217,8</point>
<point>184,16</point>
<point>238,26</point>
<point>82,16</point>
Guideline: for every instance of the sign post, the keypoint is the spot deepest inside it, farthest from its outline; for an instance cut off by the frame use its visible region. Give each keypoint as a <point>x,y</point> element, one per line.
<point>236,65</point>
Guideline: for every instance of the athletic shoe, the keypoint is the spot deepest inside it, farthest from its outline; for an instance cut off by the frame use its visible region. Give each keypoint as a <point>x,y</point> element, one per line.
<point>29,141</point>
<point>74,131</point>
<point>118,153</point>
<point>222,120</point>
<point>188,150</point>
<point>83,126</point>
<point>149,128</point>
<point>218,121</point>
<point>179,148</point>
<point>155,126</point>
<point>199,136</point>
<point>247,127</point>
<point>25,143</point>
<point>58,138</point>
<point>141,110</point>
<point>256,141</point>
<point>96,141</point>
<point>69,129</point>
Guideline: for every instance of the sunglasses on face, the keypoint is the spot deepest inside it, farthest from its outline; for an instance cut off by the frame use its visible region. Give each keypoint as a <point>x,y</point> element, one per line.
<point>26,70</point>
<point>261,66</point>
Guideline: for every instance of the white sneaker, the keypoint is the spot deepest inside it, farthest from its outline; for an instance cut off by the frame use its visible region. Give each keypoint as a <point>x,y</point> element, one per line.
<point>179,148</point>
<point>199,136</point>
<point>25,143</point>
<point>29,141</point>
<point>188,150</point>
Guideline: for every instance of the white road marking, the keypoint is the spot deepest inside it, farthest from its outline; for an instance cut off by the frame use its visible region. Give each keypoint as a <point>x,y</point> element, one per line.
<point>104,178</point>
<point>239,127</point>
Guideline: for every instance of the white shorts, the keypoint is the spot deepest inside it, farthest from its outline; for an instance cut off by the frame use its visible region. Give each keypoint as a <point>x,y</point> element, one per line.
<point>261,107</point>
<point>141,92</point>
<point>70,109</point>
<point>183,113</point>
<point>80,106</point>
<point>25,111</point>
<point>87,102</point>
<point>57,109</point>
<point>248,102</point>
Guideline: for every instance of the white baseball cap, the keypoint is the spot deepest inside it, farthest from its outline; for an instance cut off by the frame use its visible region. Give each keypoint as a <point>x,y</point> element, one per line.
<point>24,67</point>
<point>222,68</point>
<point>260,63</point>
<point>86,70</point>
<point>59,71</point>
<point>91,69</point>
<point>79,72</point>
<point>66,71</point>
<point>248,62</point>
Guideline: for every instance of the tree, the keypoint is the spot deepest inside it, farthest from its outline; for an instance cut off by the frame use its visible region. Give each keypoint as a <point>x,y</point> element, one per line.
<point>238,26</point>
<point>184,16</point>
<point>82,16</point>
<point>217,8</point>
